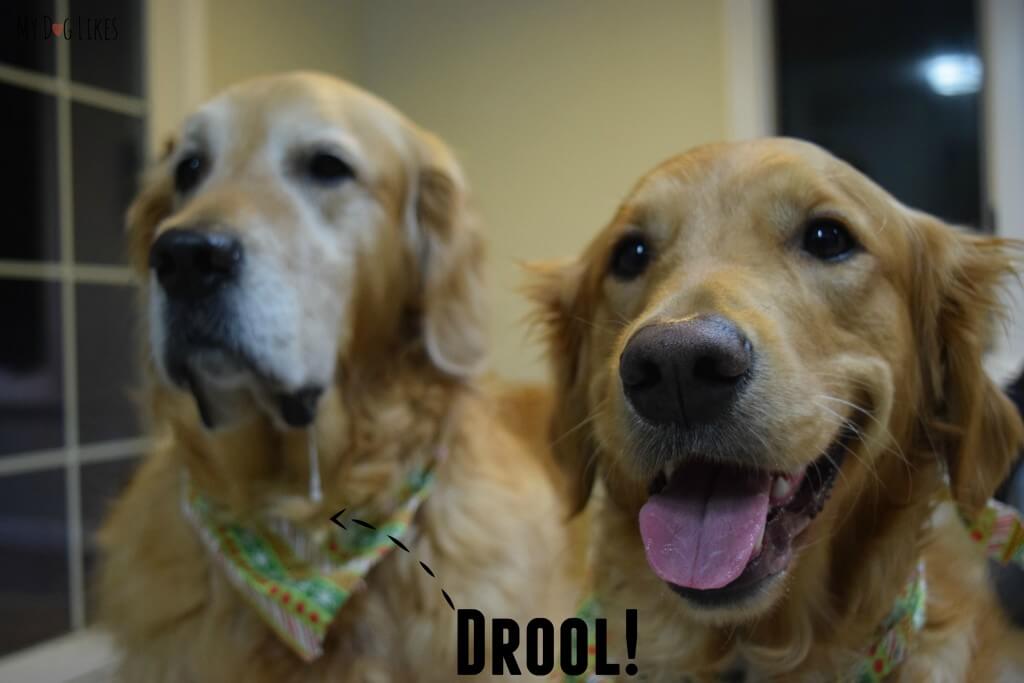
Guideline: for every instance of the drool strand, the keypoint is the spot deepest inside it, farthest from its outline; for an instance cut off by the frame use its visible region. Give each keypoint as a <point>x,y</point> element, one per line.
<point>316,493</point>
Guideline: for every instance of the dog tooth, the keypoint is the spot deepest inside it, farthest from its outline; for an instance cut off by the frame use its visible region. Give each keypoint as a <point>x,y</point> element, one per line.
<point>670,468</point>
<point>781,487</point>
<point>759,544</point>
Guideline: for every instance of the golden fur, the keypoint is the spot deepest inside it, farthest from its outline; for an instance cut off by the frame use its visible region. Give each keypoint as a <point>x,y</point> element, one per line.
<point>409,342</point>
<point>890,340</point>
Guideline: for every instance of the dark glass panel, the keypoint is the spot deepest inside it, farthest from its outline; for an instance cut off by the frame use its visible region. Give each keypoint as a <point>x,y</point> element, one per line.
<point>106,44</point>
<point>106,149</point>
<point>26,34</point>
<point>107,362</point>
<point>31,367</point>
<point>28,175</point>
<point>892,88</point>
<point>34,602</point>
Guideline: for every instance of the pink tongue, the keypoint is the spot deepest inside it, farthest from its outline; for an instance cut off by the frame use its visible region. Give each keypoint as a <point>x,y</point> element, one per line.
<point>700,531</point>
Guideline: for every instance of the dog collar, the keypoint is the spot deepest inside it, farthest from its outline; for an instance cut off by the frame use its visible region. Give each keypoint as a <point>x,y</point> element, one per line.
<point>297,581</point>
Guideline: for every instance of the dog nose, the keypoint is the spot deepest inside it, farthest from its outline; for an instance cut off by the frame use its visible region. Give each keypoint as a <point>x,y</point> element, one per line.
<point>687,372</point>
<point>190,264</point>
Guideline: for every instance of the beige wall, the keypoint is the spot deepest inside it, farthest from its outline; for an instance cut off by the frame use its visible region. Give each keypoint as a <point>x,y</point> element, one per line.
<point>247,38</point>
<point>554,107</point>
<point>199,47</point>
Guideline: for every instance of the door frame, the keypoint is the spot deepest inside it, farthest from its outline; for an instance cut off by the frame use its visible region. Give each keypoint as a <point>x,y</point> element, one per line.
<point>176,65</point>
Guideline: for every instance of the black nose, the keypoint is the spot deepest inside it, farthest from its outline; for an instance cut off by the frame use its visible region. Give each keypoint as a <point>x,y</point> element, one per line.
<point>687,372</point>
<point>190,264</point>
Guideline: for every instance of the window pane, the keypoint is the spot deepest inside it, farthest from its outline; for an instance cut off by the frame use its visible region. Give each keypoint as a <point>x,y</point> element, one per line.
<point>107,52</point>
<point>892,88</point>
<point>107,362</point>
<point>34,604</point>
<point>28,175</point>
<point>107,150</point>
<point>26,36</point>
<point>31,382</point>
<point>102,483</point>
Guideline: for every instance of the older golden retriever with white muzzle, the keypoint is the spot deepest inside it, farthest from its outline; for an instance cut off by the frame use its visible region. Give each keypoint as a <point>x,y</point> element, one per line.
<point>311,279</point>
<point>771,365</point>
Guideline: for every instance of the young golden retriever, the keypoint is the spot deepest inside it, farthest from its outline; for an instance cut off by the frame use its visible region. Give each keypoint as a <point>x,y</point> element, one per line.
<point>772,365</point>
<point>311,276</point>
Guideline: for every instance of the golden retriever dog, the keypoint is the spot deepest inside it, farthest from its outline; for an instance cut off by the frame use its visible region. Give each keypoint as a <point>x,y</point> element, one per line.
<point>771,365</point>
<point>311,277</point>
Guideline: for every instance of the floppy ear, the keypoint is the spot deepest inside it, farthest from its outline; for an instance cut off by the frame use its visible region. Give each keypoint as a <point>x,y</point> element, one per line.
<point>556,289</point>
<point>151,205</point>
<point>451,256</point>
<point>958,307</point>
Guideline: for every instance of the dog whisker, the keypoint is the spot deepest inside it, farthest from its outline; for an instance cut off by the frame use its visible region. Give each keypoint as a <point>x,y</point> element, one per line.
<point>594,414</point>
<point>844,422</point>
<point>892,440</point>
<point>600,328</point>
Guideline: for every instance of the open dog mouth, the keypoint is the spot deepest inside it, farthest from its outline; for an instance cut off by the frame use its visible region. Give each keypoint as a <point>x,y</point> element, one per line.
<point>716,532</point>
<point>213,374</point>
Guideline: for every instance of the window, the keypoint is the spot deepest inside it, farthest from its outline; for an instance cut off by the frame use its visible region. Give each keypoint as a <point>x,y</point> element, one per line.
<point>71,82</point>
<point>895,89</point>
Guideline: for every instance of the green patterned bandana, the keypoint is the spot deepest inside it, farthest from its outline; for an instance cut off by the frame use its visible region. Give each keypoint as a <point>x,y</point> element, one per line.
<point>998,530</point>
<point>895,633</point>
<point>296,583</point>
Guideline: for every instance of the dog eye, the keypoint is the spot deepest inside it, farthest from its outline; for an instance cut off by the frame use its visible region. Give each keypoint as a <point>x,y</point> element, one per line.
<point>631,256</point>
<point>327,168</point>
<point>828,240</point>
<point>189,172</point>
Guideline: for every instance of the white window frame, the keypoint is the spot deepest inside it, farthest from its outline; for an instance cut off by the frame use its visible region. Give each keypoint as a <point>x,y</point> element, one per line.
<point>749,69</point>
<point>1002,25</point>
<point>175,82</point>
<point>176,67</point>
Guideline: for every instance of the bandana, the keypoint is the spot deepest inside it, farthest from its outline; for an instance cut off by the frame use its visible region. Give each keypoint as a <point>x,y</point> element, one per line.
<point>296,582</point>
<point>895,633</point>
<point>998,530</point>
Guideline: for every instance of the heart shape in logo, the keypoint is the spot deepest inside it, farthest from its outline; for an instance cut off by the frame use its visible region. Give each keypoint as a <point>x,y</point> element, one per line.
<point>57,29</point>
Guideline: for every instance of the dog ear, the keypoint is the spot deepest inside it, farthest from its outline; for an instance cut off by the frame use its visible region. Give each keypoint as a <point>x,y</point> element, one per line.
<point>451,255</point>
<point>960,276</point>
<point>151,205</point>
<point>561,311</point>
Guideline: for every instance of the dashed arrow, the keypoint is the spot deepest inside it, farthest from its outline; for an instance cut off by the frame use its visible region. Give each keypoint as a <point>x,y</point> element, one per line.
<point>398,544</point>
<point>334,518</point>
